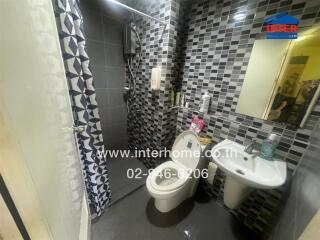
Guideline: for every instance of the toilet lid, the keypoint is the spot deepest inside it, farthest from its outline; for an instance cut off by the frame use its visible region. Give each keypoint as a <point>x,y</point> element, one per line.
<point>166,177</point>
<point>186,150</point>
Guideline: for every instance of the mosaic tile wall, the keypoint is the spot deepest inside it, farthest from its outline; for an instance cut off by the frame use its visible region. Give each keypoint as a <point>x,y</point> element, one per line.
<point>152,121</point>
<point>216,56</point>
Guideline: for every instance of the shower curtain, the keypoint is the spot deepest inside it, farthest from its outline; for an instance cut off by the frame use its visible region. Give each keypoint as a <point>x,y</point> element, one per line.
<point>83,100</point>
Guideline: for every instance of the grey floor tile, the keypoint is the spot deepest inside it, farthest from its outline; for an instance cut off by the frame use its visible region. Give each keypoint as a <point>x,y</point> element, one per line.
<point>117,115</point>
<point>88,4</point>
<point>102,99</point>
<point>117,144</point>
<point>135,217</point>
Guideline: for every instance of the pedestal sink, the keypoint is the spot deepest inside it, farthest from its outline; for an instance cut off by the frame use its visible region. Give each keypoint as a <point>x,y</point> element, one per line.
<point>244,171</point>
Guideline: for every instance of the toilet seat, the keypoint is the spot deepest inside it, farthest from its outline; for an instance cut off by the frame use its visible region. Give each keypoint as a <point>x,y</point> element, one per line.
<point>162,182</point>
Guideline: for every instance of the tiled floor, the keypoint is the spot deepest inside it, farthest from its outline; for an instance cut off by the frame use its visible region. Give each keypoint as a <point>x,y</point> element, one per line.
<point>135,217</point>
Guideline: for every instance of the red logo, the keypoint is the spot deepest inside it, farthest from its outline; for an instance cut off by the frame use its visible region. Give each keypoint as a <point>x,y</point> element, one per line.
<point>281,26</point>
<point>286,28</point>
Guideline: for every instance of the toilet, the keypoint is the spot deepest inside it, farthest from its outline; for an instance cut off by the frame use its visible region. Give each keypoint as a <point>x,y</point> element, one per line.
<point>174,181</point>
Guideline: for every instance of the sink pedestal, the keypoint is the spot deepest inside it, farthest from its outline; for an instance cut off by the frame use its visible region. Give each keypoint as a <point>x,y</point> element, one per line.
<point>234,192</point>
<point>245,172</point>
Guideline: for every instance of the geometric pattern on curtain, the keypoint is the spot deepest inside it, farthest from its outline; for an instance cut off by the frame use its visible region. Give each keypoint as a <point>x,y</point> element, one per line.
<point>84,104</point>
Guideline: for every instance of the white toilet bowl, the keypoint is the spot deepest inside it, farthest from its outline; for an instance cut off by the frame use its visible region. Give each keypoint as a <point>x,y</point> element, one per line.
<point>174,181</point>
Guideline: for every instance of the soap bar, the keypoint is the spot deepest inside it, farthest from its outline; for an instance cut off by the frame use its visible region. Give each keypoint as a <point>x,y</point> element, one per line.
<point>205,140</point>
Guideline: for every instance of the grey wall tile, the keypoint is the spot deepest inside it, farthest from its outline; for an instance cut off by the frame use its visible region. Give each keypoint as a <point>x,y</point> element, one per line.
<point>100,75</point>
<point>116,77</point>
<point>108,68</point>
<point>117,130</point>
<point>93,25</point>
<point>303,200</point>
<point>114,55</point>
<point>151,122</point>
<point>112,30</point>
<point>96,52</point>
<point>102,99</point>
<point>115,143</point>
<point>115,97</point>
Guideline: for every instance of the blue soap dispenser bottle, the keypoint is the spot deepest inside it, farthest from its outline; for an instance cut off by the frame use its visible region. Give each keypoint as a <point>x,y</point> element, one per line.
<point>269,146</point>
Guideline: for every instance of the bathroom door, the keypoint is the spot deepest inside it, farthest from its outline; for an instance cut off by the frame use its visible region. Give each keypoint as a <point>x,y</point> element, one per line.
<point>38,155</point>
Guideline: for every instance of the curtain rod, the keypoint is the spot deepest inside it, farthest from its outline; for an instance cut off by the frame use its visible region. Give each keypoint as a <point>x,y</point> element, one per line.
<point>136,11</point>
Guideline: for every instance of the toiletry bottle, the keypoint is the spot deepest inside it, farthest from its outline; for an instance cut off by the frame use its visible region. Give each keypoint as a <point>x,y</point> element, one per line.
<point>172,97</point>
<point>182,102</point>
<point>177,100</point>
<point>205,103</point>
<point>269,146</point>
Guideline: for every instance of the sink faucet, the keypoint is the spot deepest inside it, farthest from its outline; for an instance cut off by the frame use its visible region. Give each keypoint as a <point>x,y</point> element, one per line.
<point>250,147</point>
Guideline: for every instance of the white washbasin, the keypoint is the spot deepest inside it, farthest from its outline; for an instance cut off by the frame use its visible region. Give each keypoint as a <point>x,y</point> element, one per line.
<point>246,171</point>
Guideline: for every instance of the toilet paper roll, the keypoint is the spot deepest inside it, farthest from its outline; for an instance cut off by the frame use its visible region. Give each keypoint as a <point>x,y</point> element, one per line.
<point>212,169</point>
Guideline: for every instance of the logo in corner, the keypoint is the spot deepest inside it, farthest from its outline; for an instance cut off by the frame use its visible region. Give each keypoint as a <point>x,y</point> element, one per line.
<point>281,26</point>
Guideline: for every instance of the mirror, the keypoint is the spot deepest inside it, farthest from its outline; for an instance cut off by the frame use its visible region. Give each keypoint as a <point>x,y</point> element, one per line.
<point>282,81</point>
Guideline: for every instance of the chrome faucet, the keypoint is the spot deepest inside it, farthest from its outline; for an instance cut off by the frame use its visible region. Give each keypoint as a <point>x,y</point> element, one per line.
<point>250,147</point>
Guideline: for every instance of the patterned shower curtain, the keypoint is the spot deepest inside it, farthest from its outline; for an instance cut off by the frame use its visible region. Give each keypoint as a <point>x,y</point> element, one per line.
<point>83,100</point>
